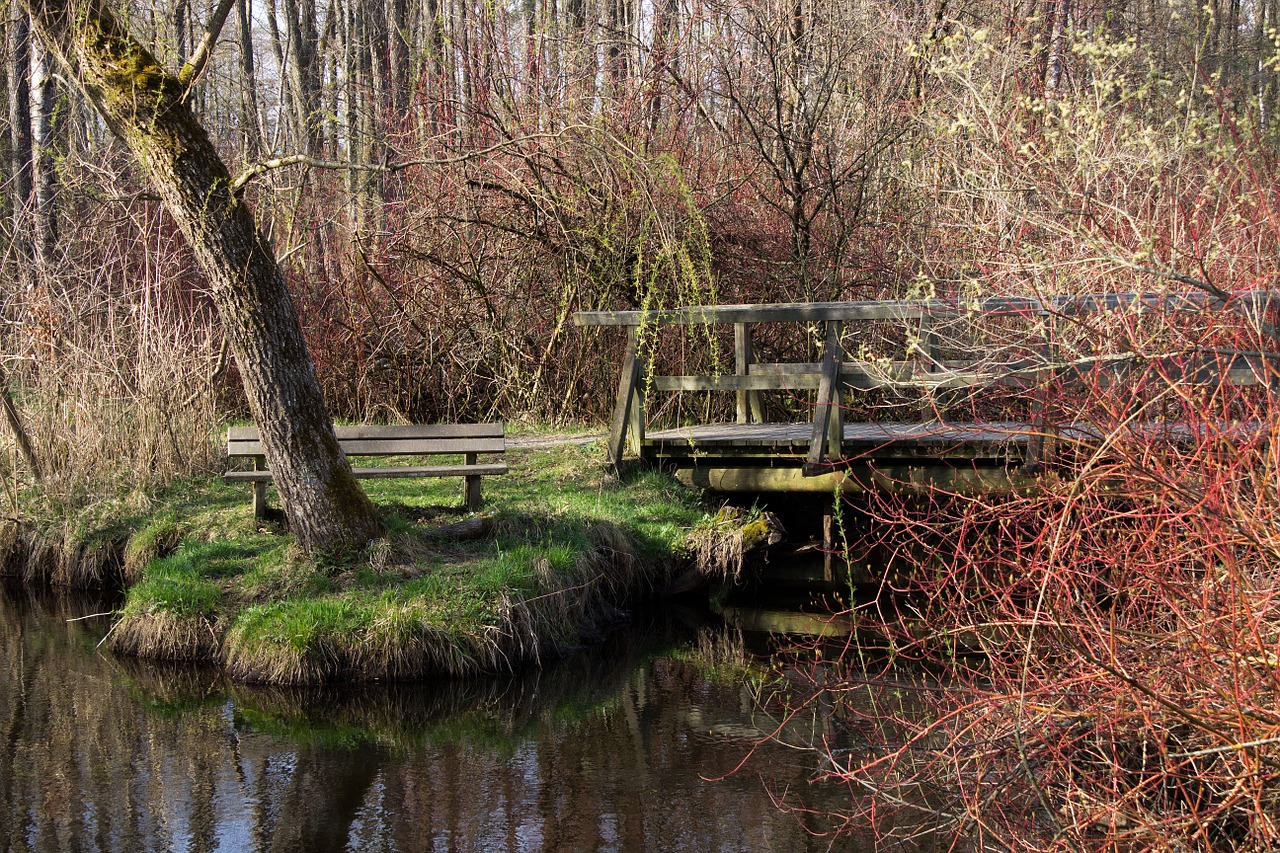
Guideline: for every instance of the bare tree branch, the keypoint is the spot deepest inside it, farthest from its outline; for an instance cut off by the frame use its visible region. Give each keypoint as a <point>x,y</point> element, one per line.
<point>195,66</point>
<point>264,166</point>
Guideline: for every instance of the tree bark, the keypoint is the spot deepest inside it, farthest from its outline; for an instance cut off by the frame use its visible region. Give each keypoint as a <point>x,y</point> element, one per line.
<point>18,427</point>
<point>46,138</point>
<point>1054,72</point>
<point>300,30</point>
<point>20,126</point>
<point>144,106</point>
<point>437,84</point>
<point>251,136</point>
<point>397,58</point>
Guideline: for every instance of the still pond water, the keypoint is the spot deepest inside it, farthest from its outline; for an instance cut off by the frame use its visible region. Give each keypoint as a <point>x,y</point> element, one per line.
<point>627,746</point>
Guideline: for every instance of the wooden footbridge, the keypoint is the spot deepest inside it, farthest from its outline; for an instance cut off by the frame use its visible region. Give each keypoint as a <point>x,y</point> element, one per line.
<point>1024,348</point>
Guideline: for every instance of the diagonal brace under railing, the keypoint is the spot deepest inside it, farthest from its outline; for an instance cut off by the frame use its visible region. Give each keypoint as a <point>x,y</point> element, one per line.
<point>828,418</point>
<point>628,411</point>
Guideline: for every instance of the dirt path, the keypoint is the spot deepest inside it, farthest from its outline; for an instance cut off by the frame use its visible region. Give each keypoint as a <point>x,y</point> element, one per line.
<point>538,442</point>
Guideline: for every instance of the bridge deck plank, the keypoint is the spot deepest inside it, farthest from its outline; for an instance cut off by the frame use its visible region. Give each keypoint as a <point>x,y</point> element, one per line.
<point>930,439</point>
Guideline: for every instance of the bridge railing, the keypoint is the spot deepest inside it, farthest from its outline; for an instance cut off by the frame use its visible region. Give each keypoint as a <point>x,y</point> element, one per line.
<point>922,367</point>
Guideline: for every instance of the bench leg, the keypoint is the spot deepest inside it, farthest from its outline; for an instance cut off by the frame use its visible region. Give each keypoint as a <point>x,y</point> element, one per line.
<point>472,495</point>
<point>259,490</point>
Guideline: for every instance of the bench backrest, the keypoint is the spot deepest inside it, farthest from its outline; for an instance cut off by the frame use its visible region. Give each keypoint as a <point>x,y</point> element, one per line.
<point>414,440</point>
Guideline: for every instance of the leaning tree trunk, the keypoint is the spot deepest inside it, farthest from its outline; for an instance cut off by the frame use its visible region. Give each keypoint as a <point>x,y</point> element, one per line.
<point>146,108</point>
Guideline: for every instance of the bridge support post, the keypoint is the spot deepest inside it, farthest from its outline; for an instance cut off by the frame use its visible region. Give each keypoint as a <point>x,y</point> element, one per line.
<point>828,418</point>
<point>628,411</point>
<point>749,410</point>
<point>1040,446</point>
<point>931,349</point>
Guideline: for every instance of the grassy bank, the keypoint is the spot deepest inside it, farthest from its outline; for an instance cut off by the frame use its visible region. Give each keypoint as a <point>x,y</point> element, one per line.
<point>565,547</point>
<point>499,712</point>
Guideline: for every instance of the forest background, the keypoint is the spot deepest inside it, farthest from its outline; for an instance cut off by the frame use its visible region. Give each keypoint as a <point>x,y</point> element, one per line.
<point>446,182</point>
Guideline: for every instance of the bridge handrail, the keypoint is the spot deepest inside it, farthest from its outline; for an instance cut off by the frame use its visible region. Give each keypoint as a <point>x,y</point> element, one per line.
<point>915,309</point>
<point>930,373</point>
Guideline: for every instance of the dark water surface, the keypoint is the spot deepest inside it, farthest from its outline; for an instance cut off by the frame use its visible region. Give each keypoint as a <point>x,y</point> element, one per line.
<point>621,747</point>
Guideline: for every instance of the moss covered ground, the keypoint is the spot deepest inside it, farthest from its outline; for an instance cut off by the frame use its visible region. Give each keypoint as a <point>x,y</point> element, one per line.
<point>567,545</point>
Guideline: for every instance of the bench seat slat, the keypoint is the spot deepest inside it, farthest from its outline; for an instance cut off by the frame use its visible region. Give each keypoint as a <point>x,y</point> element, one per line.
<point>437,431</point>
<point>390,446</point>
<point>487,469</point>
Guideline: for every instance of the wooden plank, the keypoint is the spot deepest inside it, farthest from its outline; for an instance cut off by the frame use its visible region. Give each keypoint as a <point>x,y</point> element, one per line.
<point>798,368</point>
<point>773,445</point>
<point>423,446</point>
<point>869,378</point>
<point>393,447</point>
<point>748,402</point>
<point>894,479</point>
<point>903,375</point>
<point>828,397</point>
<point>1245,376</point>
<point>933,402</point>
<point>389,472</point>
<point>394,471</point>
<point>489,430</point>
<point>1106,373</point>
<point>471,491</point>
<point>737,383</point>
<point>372,431</point>
<point>861,377</point>
<point>628,379</point>
<point>791,443</point>
<point>835,412</point>
<point>635,423</point>
<point>903,309</point>
<point>929,345</point>
<point>901,367</point>
<point>1097,303</point>
<point>259,488</point>
<point>801,312</point>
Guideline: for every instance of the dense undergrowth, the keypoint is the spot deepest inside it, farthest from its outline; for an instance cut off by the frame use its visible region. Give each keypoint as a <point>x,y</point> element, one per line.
<point>1096,659</point>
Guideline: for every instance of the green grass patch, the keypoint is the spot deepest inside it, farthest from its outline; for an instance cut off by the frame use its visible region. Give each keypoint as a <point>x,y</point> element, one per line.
<point>567,544</point>
<point>184,583</point>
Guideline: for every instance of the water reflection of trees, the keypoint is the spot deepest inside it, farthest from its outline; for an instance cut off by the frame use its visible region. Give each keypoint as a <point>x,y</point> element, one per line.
<point>606,752</point>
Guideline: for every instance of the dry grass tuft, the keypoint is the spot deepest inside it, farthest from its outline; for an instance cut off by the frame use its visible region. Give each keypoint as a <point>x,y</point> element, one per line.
<point>165,635</point>
<point>38,560</point>
<point>722,544</point>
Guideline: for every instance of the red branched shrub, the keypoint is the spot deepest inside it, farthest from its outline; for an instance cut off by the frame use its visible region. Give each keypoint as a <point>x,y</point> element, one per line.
<point>1103,650</point>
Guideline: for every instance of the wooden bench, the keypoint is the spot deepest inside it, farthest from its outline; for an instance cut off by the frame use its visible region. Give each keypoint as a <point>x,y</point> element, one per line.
<point>469,440</point>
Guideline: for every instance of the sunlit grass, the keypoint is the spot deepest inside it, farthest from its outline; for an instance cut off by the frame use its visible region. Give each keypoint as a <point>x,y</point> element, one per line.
<point>569,543</point>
